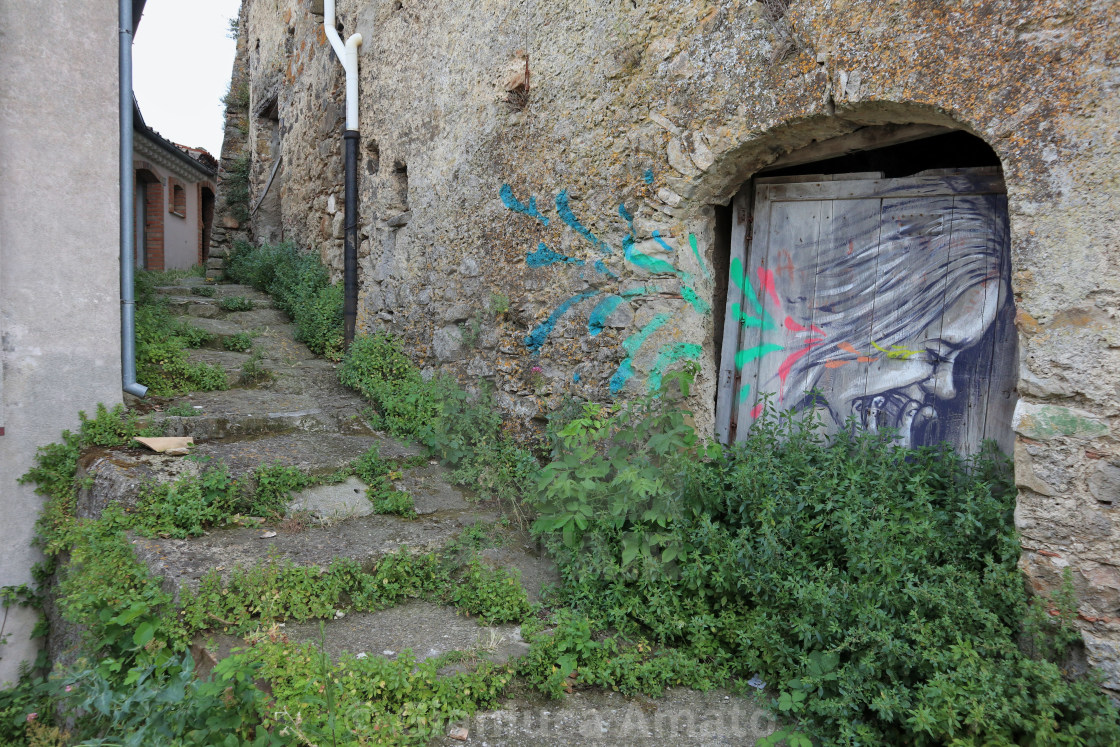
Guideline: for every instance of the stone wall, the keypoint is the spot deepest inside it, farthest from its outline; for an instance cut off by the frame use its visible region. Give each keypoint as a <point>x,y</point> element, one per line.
<point>490,127</point>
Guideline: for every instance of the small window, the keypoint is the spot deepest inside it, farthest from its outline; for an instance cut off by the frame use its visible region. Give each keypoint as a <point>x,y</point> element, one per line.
<point>177,205</point>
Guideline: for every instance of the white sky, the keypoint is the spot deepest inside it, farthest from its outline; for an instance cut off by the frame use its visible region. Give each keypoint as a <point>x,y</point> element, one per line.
<point>181,62</point>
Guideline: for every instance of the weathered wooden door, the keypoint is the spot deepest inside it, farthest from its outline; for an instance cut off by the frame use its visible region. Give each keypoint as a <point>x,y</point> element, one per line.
<point>884,304</point>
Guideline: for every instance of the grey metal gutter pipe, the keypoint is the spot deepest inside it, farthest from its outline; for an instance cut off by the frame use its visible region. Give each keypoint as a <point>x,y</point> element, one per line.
<point>128,226</point>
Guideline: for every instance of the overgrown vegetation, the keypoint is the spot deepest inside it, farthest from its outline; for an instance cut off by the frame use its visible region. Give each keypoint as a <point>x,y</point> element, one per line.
<point>238,343</point>
<point>142,689</point>
<point>161,346</point>
<point>235,303</point>
<point>875,589</point>
<point>463,429</point>
<point>300,285</point>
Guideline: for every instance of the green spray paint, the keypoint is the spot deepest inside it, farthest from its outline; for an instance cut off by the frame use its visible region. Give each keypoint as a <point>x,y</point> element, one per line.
<point>696,253</point>
<point>667,356</point>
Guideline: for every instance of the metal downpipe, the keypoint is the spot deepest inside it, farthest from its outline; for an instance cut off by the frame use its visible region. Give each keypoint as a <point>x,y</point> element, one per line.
<point>348,55</point>
<point>350,245</point>
<point>128,228</point>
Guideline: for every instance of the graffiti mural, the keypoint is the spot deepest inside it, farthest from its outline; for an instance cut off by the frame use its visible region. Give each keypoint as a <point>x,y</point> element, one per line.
<point>601,256</point>
<point>888,310</point>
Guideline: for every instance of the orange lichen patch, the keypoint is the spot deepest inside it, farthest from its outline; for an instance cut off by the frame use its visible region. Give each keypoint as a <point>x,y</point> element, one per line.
<point>1026,323</point>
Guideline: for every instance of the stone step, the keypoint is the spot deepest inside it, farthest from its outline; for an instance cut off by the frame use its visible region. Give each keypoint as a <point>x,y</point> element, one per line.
<point>365,539</point>
<point>689,718</point>
<point>182,288</point>
<point>118,474</point>
<point>304,397</point>
<point>201,306</point>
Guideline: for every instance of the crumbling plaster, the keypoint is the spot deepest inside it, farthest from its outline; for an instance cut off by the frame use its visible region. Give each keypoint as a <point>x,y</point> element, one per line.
<point>668,107</point>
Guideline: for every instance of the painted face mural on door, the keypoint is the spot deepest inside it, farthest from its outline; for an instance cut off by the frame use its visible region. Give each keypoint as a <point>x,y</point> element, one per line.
<point>872,322</point>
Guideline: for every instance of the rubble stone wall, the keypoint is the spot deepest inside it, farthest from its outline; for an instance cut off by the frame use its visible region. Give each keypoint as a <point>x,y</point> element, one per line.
<point>491,127</point>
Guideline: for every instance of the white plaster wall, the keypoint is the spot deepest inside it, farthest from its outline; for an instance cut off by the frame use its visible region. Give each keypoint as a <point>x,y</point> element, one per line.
<point>59,287</point>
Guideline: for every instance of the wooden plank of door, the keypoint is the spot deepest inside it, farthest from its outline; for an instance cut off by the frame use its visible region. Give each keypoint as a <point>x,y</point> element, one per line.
<point>750,313</point>
<point>911,186</point>
<point>790,242</point>
<point>728,375</point>
<point>976,320</point>
<point>1002,394</point>
<point>910,290</point>
<point>846,257</point>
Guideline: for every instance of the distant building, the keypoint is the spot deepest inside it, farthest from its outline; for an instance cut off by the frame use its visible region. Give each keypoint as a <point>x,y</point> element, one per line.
<point>174,200</point>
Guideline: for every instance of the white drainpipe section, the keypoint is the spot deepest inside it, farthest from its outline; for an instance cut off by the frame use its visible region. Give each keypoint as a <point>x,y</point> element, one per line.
<point>348,56</point>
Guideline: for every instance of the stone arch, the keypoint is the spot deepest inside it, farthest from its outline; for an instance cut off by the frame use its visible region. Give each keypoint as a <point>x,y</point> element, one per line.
<point>975,395</point>
<point>149,217</point>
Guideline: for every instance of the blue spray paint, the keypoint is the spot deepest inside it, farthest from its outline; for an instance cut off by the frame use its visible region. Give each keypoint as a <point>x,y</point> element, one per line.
<point>537,338</point>
<point>603,269</point>
<point>633,256</point>
<point>564,210</point>
<point>575,377</point>
<point>661,241</point>
<point>543,256</point>
<point>648,176</point>
<point>511,202</point>
<point>624,373</point>
<point>601,312</point>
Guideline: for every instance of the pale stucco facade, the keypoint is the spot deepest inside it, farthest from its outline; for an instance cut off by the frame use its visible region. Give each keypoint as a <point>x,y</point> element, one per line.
<point>59,283</point>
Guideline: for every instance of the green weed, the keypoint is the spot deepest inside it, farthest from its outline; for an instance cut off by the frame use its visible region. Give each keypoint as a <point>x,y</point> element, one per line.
<point>181,410</point>
<point>877,587</point>
<point>235,303</point>
<point>252,372</point>
<point>238,343</point>
<point>300,285</point>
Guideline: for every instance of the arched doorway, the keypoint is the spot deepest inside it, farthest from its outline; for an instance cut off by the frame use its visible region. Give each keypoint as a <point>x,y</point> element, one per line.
<point>206,222</point>
<point>872,289</point>
<point>148,217</point>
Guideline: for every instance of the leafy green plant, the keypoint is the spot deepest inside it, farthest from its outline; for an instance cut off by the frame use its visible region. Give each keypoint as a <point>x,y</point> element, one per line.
<point>470,331</point>
<point>499,304</point>
<point>300,286</point>
<point>161,343</point>
<point>164,703</point>
<point>876,587</point>
<point>203,290</point>
<point>181,410</point>
<point>401,701</point>
<point>238,343</point>
<point>235,303</point>
<point>187,506</point>
<point>252,372</point>
<point>493,594</point>
<point>377,367</point>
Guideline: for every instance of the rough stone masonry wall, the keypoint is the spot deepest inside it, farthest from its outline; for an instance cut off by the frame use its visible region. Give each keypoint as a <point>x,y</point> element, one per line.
<point>667,107</point>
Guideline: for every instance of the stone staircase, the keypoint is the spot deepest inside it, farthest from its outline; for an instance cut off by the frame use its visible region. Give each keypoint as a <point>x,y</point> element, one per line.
<point>298,414</point>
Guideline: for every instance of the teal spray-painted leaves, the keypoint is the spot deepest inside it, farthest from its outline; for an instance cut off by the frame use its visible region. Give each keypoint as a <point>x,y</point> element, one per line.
<point>542,257</point>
